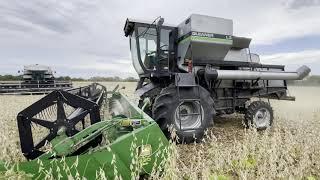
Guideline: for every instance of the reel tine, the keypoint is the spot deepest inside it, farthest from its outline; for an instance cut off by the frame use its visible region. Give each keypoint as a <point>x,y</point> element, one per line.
<point>52,111</point>
<point>83,124</point>
<point>41,114</point>
<point>46,113</point>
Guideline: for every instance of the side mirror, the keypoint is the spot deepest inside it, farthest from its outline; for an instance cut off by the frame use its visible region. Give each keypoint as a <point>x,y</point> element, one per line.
<point>160,22</point>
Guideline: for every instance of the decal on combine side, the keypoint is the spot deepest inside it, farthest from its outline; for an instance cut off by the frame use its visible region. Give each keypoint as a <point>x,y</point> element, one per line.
<point>204,36</point>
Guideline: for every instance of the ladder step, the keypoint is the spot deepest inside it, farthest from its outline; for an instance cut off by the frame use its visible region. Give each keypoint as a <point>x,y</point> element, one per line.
<point>182,100</point>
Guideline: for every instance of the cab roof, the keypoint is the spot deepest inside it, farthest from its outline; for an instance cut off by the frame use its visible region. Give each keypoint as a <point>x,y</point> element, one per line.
<point>130,23</point>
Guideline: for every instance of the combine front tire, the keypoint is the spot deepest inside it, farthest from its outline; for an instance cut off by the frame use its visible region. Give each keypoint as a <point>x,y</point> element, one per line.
<point>189,117</point>
<point>259,115</point>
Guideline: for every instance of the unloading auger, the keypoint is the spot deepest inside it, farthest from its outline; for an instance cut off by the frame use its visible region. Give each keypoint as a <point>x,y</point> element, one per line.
<point>68,133</point>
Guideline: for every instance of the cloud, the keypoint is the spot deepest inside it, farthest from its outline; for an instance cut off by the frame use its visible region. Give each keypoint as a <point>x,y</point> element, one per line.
<point>85,38</point>
<point>308,56</point>
<point>295,59</point>
<point>277,22</point>
<point>297,4</point>
<point>54,16</point>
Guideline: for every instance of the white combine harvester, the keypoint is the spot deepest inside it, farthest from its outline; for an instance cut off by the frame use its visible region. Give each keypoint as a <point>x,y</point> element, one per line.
<point>37,79</point>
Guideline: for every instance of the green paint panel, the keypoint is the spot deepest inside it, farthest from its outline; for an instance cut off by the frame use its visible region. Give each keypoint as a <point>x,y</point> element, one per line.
<point>119,156</point>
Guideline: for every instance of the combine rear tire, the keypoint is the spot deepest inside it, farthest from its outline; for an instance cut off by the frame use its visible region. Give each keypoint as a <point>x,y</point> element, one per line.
<point>259,115</point>
<point>167,110</point>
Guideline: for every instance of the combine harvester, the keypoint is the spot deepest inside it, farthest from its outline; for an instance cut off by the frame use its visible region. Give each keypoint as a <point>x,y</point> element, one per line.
<point>189,74</point>
<point>197,70</point>
<point>37,79</point>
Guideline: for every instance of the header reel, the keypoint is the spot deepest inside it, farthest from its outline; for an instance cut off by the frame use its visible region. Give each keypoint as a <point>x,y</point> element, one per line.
<point>60,112</point>
<point>66,128</point>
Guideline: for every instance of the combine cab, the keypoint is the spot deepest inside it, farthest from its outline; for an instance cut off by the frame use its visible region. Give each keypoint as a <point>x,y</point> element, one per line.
<point>37,79</point>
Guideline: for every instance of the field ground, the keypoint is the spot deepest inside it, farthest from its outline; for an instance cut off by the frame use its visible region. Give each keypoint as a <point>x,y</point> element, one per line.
<point>290,149</point>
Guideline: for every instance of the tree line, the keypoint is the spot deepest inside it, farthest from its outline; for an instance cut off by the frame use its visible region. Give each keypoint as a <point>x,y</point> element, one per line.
<point>10,78</point>
<point>68,78</point>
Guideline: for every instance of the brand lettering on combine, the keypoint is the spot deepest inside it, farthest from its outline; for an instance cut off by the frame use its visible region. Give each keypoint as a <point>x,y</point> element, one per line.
<point>210,35</point>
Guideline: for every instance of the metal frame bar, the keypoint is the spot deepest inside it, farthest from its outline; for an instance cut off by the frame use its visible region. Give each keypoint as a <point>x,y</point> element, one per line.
<point>32,88</point>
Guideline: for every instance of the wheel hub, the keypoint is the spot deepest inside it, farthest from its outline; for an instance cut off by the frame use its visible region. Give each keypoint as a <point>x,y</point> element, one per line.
<point>262,118</point>
<point>188,115</point>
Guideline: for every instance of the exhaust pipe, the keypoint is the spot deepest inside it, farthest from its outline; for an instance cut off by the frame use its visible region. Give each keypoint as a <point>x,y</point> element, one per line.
<point>301,73</point>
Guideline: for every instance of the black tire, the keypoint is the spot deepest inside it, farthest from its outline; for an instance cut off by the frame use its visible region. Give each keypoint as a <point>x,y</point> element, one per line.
<point>165,110</point>
<point>259,114</point>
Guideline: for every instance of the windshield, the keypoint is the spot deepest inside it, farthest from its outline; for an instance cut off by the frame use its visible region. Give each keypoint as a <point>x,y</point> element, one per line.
<point>134,54</point>
<point>146,48</point>
<point>38,75</point>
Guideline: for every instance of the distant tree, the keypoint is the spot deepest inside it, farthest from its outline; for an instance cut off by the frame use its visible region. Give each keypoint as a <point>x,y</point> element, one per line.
<point>63,78</point>
<point>111,79</point>
<point>8,77</point>
<point>68,78</point>
<point>78,79</point>
<point>116,78</point>
<point>98,78</point>
<point>130,79</point>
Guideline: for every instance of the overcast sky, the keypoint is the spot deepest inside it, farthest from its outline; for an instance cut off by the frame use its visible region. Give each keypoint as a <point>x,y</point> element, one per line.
<point>85,37</point>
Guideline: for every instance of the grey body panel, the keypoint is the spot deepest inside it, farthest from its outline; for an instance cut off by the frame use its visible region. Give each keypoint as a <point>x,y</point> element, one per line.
<point>237,55</point>
<point>202,23</point>
<point>209,38</point>
<point>201,38</point>
<point>240,42</point>
<point>185,80</point>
